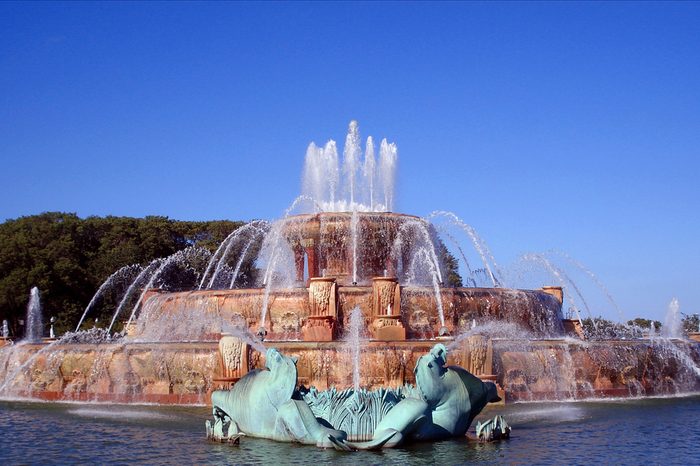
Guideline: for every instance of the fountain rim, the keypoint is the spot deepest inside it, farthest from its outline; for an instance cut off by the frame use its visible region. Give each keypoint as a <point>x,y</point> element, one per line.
<point>344,214</point>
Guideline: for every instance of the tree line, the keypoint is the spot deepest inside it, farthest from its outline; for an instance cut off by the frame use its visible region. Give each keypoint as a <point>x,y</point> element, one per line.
<point>68,258</point>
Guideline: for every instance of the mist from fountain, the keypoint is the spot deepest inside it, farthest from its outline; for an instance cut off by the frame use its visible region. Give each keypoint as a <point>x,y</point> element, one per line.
<point>369,169</point>
<point>355,341</point>
<point>220,255</point>
<point>353,233</point>
<point>276,256</point>
<point>423,261</point>
<point>242,257</point>
<point>251,232</point>
<point>388,156</point>
<point>672,327</point>
<point>351,160</point>
<point>413,235</point>
<point>35,327</point>
<point>116,277</point>
<point>278,259</point>
<point>493,329</point>
<point>182,257</point>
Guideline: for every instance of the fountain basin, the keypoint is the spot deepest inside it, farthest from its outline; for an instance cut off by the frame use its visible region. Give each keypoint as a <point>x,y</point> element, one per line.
<point>186,373</point>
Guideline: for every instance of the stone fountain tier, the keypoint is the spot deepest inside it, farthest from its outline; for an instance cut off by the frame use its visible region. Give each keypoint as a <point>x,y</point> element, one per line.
<point>391,312</point>
<point>324,242</point>
<point>572,369</point>
<point>164,373</point>
<point>186,373</point>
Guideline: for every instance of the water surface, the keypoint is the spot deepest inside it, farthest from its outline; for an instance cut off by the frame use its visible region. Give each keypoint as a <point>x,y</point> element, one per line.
<point>649,431</point>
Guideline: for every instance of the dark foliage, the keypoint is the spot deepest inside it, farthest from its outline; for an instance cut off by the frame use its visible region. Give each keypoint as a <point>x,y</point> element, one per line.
<point>68,258</point>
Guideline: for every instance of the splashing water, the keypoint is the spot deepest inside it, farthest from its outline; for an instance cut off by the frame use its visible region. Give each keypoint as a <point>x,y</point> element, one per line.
<point>140,278</point>
<point>595,280</point>
<point>35,326</point>
<point>672,322</point>
<point>182,257</point>
<point>563,279</point>
<point>363,182</point>
<point>479,244</point>
<point>353,232</point>
<point>369,171</point>
<point>252,231</point>
<point>356,341</point>
<point>120,274</point>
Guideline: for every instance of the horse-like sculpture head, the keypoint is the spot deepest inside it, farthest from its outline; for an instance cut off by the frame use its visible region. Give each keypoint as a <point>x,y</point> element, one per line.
<point>283,380</point>
<point>430,370</point>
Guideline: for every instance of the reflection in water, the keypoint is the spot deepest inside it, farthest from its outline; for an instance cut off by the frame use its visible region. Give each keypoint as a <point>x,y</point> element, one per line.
<point>646,430</point>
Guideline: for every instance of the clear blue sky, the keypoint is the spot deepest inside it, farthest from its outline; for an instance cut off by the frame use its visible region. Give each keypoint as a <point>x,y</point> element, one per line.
<point>545,126</point>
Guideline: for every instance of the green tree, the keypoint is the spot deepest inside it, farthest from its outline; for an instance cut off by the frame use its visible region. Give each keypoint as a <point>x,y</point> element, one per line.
<point>644,323</point>
<point>68,258</point>
<point>691,323</point>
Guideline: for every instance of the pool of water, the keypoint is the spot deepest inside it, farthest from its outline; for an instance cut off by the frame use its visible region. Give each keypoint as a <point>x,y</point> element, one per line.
<point>650,431</point>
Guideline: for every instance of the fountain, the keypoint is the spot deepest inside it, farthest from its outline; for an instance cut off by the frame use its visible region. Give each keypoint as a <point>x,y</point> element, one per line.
<point>35,326</point>
<point>340,266</point>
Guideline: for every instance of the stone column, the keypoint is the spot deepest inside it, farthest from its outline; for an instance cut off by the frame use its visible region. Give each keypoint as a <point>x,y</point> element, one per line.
<point>386,309</point>
<point>312,260</point>
<point>298,261</point>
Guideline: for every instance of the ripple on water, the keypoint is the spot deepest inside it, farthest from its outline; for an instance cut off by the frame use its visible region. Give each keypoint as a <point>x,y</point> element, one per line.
<point>635,431</point>
<point>119,413</point>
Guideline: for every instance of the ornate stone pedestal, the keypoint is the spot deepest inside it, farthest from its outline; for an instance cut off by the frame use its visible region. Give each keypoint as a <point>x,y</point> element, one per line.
<point>386,310</point>
<point>323,310</point>
<point>233,361</point>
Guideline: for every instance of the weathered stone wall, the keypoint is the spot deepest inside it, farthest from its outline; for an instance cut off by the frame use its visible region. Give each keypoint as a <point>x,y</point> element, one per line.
<point>289,310</point>
<point>564,369</point>
<point>153,373</point>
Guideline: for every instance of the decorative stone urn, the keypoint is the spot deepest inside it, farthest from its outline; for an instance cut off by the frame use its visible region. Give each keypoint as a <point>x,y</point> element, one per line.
<point>320,325</point>
<point>386,309</point>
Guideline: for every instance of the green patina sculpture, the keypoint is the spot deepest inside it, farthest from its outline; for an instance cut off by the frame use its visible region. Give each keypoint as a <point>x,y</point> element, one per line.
<point>261,405</point>
<point>264,404</point>
<point>451,399</point>
<point>493,429</point>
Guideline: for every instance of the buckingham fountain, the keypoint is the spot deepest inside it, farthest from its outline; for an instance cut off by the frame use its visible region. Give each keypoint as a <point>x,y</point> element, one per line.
<point>361,298</point>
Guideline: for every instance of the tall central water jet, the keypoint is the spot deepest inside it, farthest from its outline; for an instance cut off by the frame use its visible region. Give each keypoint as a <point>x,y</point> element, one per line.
<point>365,186</point>
<point>353,232</point>
<point>351,160</point>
